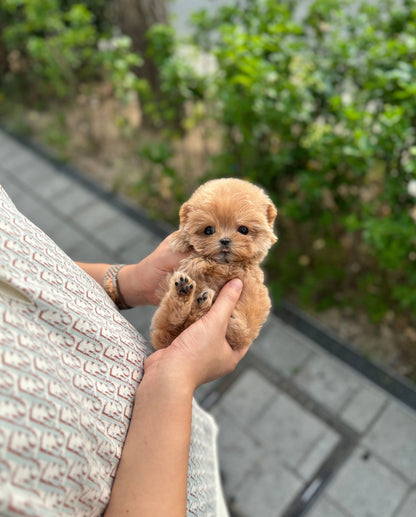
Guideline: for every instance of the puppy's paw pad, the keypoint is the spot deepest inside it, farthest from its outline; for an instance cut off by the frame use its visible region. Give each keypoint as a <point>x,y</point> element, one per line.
<point>183,284</point>
<point>205,298</point>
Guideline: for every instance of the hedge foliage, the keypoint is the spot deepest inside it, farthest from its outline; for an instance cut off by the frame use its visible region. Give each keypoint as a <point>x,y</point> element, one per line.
<point>50,48</point>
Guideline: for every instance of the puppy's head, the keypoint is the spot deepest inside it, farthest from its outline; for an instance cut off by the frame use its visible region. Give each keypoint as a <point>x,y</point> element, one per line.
<point>227,220</point>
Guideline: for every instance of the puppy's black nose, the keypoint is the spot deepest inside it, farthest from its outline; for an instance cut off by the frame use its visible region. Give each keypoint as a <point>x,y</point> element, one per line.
<point>225,241</point>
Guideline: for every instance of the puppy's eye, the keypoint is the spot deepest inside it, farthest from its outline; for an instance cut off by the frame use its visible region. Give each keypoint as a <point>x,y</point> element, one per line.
<point>209,230</point>
<point>243,230</point>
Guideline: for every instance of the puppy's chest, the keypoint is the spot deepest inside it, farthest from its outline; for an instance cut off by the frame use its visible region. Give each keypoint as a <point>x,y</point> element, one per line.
<point>212,274</point>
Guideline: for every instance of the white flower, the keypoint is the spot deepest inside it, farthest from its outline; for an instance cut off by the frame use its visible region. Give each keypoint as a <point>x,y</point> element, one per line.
<point>411,188</point>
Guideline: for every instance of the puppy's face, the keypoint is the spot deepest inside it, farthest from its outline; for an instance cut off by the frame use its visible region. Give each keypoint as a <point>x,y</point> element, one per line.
<point>228,220</point>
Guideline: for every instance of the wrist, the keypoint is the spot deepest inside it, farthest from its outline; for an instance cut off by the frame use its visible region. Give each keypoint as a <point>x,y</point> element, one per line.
<point>169,370</point>
<point>112,288</point>
<point>128,283</point>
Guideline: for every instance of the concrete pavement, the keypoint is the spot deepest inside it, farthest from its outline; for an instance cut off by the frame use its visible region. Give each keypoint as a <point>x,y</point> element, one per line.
<point>301,432</point>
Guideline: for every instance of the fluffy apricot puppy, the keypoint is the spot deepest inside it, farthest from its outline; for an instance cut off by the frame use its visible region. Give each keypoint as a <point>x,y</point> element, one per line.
<point>227,224</point>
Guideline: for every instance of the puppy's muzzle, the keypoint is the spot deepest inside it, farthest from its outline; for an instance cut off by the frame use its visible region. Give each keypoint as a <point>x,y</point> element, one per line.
<point>225,241</point>
<point>224,251</point>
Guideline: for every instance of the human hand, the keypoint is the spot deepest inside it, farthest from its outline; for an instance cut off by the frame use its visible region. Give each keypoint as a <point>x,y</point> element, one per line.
<point>139,283</point>
<point>201,353</point>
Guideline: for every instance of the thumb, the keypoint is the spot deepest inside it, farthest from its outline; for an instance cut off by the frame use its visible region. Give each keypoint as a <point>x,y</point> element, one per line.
<point>226,300</point>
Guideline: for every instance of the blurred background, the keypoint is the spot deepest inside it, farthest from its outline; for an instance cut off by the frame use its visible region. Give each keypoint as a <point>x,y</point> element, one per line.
<point>313,100</point>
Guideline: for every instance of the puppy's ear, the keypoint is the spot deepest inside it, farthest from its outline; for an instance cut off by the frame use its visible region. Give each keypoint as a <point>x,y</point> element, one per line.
<point>271,213</point>
<point>180,241</point>
<point>183,213</point>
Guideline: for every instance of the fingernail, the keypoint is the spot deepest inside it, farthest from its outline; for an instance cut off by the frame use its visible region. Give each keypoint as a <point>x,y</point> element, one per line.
<point>236,283</point>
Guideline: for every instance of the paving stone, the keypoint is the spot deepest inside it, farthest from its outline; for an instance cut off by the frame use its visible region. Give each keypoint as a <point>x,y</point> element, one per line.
<point>248,397</point>
<point>206,390</point>
<point>39,164</point>
<point>328,381</point>
<point>48,188</point>
<point>12,145</point>
<point>140,318</point>
<point>13,190</point>
<point>67,237</point>
<point>365,487</point>
<point>280,347</point>
<point>33,173</point>
<point>17,159</point>
<point>268,490</point>
<point>46,220</point>
<point>96,216</point>
<point>122,233</point>
<point>287,429</point>
<point>88,251</point>
<point>37,212</point>
<point>5,151</point>
<point>26,204</point>
<point>140,249</point>
<point>238,453</point>
<point>317,454</point>
<point>325,508</point>
<point>393,437</point>
<point>363,408</point>
<point>4,139</point>
<point>408,509</point>
<point>12,163</point>
<point>74,199</point>
<point>7,144</point>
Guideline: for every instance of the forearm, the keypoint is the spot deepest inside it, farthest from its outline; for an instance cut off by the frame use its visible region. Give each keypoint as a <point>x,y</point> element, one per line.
<point>152,475</point>
<point>96,271</point>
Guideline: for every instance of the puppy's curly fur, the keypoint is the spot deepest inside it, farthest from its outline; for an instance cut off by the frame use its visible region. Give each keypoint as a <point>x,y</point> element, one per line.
<point>228,226</point>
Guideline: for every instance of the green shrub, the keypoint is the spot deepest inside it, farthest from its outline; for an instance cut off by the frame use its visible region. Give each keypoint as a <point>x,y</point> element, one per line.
<point>179,81</point>
<point>51,47</point>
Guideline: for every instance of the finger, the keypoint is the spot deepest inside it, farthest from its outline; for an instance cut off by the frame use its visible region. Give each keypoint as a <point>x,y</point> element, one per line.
<point>226,301</point>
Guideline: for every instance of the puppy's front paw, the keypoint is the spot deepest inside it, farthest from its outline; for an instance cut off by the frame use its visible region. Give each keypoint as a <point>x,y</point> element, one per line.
<point>205,298</point>
<point>182,284</point>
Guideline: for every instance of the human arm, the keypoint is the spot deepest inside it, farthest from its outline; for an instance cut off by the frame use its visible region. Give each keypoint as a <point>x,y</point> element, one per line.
<point>152,475</point>
<point>138,283</point>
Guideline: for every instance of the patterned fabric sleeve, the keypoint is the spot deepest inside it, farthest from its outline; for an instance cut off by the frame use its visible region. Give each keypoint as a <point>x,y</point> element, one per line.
<point>70,365</point>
